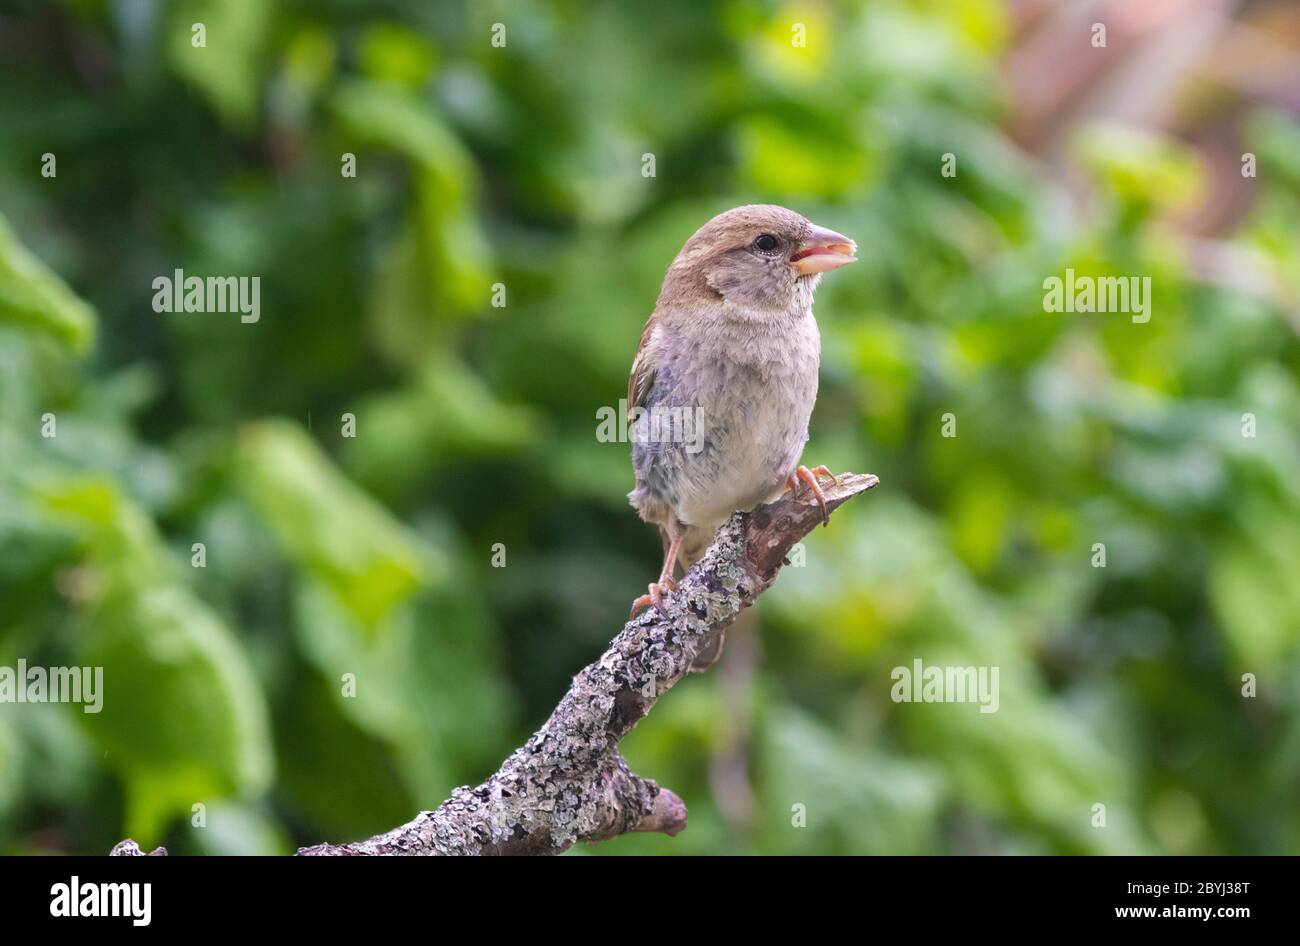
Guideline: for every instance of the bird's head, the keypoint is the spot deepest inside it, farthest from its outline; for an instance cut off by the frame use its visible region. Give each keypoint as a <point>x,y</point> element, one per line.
<point>759,258</point>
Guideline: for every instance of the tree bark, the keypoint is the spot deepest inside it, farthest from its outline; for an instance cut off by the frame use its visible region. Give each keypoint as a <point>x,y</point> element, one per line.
<point>569,783</point>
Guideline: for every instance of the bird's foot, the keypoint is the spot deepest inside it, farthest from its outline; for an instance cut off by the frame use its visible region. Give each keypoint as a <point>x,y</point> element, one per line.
<point>809,478</point>
<point>654,595</point>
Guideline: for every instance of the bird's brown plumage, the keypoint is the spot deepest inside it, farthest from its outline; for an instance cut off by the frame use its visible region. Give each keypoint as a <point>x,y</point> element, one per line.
<point>732,344</point>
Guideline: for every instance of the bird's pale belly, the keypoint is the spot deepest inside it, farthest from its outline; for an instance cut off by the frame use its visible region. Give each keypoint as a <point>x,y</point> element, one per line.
<point>746,461</point>
<point>752,415</point>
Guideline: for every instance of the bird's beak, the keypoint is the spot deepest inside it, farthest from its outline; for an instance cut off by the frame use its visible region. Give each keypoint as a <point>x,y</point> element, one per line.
<point>822,251</point>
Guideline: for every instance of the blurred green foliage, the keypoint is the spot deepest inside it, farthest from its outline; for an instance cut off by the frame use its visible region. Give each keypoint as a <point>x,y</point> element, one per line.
<point>329,556</point>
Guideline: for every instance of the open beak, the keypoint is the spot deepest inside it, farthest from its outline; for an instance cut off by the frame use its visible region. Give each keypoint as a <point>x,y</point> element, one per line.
<point>823,251</point>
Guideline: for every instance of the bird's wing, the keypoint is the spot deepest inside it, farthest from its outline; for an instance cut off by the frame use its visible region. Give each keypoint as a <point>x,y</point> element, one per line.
<point>643,369</point>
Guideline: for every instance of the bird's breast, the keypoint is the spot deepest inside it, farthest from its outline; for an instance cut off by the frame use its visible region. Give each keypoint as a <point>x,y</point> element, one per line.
<point>752,389</point>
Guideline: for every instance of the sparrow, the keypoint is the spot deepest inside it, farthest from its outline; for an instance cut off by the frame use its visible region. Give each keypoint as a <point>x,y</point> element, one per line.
<point>725,378</point>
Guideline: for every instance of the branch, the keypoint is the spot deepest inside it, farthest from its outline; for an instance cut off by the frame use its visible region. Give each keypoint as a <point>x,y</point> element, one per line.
<point>569,783</point>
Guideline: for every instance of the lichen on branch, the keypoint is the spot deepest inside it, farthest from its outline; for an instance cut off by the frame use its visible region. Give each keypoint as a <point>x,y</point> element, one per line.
<point>568,783</point>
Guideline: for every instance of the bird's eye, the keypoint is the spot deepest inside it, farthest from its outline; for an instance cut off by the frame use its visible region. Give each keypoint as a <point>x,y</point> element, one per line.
<point>765,242</point>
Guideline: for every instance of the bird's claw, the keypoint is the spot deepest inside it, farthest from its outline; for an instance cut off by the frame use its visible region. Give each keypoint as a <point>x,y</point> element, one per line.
<point>654,595</point>
<point>809,478</point>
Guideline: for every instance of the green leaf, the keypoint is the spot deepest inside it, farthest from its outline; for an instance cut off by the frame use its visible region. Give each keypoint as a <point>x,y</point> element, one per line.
<point>228,67</point>
<point>393,54</point>
<point>32,296</point>
<point>121,539</point>
<point>442,260</point>
<point>1257,604</point>
<point>1276,135</point>
<point>11,766</point>
<point>853,799</point>
<point>183,718</point>
<point>447,412</point>
<point>414,685</point>
<point>803,162</point>
<point>329,527</point>
<point>1138,166</point>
